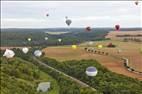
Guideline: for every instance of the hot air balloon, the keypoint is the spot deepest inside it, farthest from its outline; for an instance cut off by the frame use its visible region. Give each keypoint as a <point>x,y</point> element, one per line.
<point>29,39</point>
<point>60,40</point>
<point>90,42</point>
<point>100,46</point>
<point>68,21</point>
<point>46,38</point>
<point>117,27</point>
<point>38,53</point>
<point>88,28</point>
<point>136,2</point>
<point>25,50</point>
<point>74,46</point>
<point>47,14</point>
<point>9,53</point>
<point>91,71</point>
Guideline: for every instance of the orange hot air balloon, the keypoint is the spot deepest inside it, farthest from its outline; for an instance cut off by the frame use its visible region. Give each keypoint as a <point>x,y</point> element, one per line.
<point>117,27</point>
<point>88,28</point>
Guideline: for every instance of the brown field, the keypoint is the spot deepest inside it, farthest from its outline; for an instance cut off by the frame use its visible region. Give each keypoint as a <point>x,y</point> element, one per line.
<point>112,35</point>
<point>130,50</point>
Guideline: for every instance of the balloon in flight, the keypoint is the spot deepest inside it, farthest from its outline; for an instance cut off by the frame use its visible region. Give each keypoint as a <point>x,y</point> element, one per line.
<point>29,39</point>
<point>46,38</point>
<point>91,43</point>
<point>91,71</point>
<point>47,14</point>
<point>60,40</point>
<point>136,2</point>
<point>88,28</point>
<point>25,50</point>
<point>74,46</point>
<point>68,21</point>
<point>9,53</point>
<point>100,46</point>
<point>117,27</point>
<point>37,53</point>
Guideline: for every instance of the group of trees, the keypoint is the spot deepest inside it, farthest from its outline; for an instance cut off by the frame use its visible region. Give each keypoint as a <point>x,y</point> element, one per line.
<point>19,37</point>
<point>24,70</point>
<point>106,81</point>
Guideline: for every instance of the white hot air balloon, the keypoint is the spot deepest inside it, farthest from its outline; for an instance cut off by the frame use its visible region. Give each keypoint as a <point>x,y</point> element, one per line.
<point>91,43</point>
<point>9,53</point>
<point>25,50</point>
<point>91,71</point>
<point>60,40</point>
<point>29,39</point>
<point>37,53</point>
<point>46,38</point>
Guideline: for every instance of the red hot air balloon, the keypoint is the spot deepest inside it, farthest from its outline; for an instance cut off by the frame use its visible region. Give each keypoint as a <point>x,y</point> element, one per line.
<point>136,2</point>
<point>117,27</point>
<point>88,28</point>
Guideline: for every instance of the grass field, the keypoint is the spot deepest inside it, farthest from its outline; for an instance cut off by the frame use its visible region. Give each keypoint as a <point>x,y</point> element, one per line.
<point>130,50</point>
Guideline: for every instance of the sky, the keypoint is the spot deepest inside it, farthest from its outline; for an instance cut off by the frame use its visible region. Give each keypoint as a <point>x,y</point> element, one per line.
<point>32,14</point>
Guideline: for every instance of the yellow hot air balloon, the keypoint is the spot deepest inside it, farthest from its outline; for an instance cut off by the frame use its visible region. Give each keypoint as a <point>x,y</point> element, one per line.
<point>100,46</point>
<point>74,46</point>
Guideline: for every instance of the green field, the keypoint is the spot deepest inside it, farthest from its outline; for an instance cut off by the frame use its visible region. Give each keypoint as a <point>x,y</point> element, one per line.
<point>22,77</point>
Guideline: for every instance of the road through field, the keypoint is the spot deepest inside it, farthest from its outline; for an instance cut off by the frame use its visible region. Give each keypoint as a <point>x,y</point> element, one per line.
<point>62,73</point>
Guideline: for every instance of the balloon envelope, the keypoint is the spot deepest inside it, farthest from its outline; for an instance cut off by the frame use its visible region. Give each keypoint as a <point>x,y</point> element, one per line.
<point>136,2</point>
<point>117,27</point>
<point>100,46</point>
<point>9,53</point>
<point>38,53</point>
<point>59,40</point>
<point>91,71</point>
<point>25,50</point>
<point>29,39</point>
<point>88,28</point>
<point>74,46</point>
<point>91,43</point>
<point>68,22</point>
<point>46,38</point>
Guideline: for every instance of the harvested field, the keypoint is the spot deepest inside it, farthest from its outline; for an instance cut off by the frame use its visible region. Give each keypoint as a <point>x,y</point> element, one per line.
<point>129,50</point>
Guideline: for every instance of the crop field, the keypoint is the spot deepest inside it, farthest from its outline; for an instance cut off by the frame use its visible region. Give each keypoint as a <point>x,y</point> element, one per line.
<point>130,50</point>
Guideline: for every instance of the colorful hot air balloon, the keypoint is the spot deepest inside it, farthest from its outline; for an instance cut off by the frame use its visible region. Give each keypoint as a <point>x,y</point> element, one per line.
<point>117,27</point>
<point>9,53</point>
<point>88,28</point>
<point>91,71</point>
<point>74,46</point>
<point>25,50</point>
<point>68,21</point>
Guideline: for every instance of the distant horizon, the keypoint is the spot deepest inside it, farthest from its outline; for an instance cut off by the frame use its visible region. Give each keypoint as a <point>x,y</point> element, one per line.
<point>31,14</point>
<point>73,28</point>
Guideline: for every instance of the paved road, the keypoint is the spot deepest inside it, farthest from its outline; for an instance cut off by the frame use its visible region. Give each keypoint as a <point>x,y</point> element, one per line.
<point>72,78</point>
